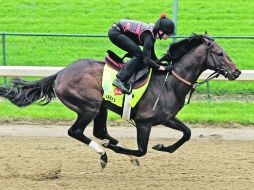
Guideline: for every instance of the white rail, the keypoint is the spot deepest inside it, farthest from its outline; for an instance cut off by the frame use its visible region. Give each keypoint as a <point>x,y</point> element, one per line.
<point>36,71</point>
<point>247,75</point>
<point>28,71</point>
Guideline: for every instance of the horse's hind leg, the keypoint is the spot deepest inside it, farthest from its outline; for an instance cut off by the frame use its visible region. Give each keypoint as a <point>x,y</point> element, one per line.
<point>100,126</point>
<point>100,132</point>
<point>77,130</point>
<point>174,123</point>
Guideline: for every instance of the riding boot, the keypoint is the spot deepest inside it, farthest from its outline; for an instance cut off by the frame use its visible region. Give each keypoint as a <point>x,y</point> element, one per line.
<point>125,73</point>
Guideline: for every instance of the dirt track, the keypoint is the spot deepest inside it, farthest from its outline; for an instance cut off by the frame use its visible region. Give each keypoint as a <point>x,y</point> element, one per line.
<point>45,158</point>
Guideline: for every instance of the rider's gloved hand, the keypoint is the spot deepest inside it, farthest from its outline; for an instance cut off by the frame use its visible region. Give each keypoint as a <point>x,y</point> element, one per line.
<point>161,68</point>
<point>168,68</point>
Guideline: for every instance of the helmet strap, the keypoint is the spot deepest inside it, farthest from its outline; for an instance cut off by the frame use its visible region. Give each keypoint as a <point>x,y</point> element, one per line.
<point>160,35</point>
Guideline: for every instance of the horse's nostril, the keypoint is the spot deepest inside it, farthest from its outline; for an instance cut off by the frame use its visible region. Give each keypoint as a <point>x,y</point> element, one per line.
<point>237,72</point>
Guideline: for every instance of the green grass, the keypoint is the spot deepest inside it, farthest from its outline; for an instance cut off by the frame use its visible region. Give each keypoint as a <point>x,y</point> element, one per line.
<point>95,17</point>
<point>218,112</point>
<point>214,112</point>
<point>54,110</point>
<point>218,17</point>
<point>228,87</point>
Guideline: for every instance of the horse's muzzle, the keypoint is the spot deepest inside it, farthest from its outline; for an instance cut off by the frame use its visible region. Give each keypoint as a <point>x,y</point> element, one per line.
<point>234,75</point>
<point>237,73</point>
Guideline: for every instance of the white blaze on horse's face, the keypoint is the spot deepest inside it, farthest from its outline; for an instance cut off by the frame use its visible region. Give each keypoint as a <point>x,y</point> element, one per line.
<point>219,60</point>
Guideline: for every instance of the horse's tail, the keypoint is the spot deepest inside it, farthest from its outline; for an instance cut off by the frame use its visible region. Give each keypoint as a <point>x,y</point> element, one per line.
<point>23,93</point>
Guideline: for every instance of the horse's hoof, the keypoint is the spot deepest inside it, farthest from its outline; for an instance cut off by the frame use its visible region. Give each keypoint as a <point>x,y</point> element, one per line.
<point>104,160</point>
<point>105,143</point>
<point>158,147</point>
<point>170,149</point>
<point>135,161</point>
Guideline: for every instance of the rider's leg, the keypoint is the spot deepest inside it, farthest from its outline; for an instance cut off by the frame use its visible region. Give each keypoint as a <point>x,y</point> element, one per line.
<point>125,43</point>
<point>125,73</point>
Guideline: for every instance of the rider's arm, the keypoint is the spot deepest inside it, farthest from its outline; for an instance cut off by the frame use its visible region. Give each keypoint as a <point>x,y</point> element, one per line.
<point>147,51</point>
<point>153,55</point>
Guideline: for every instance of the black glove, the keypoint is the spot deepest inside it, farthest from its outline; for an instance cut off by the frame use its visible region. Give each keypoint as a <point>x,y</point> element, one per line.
<point>168,68</point>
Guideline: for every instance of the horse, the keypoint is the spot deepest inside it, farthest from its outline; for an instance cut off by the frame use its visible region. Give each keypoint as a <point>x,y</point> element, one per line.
<point>79,87</point>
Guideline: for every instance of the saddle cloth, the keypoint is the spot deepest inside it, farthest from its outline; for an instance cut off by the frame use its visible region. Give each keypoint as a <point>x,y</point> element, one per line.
<point>139,81</point>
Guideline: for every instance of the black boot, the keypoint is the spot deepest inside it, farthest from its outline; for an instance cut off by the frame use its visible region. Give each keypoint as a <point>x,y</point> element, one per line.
<point>118,83</point>
<point>125,73</point>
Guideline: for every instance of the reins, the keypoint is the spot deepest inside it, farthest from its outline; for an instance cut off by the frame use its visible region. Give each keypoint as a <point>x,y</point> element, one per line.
<point>157,99</point>
<point>194,86</point>
<point>181,79</point>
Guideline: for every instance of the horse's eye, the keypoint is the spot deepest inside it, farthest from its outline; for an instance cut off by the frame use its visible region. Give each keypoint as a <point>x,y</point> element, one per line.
<point>220,54</point>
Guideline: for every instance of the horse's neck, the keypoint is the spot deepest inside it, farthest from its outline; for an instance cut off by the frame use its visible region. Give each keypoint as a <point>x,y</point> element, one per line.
<point>189,68</point>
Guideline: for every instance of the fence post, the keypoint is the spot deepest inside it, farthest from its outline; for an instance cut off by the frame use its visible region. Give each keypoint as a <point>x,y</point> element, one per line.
<point>175,12</point>
<point>208,90</point>
<point>4,54</point>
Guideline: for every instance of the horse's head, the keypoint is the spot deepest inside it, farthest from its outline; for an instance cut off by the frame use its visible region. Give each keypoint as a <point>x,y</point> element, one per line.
<point>218,60</point>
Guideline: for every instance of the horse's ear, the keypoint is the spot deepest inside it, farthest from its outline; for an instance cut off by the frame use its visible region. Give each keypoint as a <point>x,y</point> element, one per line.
<point>206,33</point>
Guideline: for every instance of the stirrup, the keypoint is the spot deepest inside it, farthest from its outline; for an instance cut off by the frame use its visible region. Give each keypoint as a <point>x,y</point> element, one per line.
<point>119,91</point>
<point>119,84</point>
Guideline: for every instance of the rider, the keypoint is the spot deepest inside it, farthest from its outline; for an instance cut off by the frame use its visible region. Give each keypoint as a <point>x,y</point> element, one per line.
<point>129,35</point>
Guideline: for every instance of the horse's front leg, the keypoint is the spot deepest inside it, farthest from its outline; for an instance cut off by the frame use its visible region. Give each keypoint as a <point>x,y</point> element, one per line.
<point>175,123</point>
<point>143,133</point>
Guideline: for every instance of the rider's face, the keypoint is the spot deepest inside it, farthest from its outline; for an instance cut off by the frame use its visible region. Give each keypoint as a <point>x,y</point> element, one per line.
<point>165,37</point>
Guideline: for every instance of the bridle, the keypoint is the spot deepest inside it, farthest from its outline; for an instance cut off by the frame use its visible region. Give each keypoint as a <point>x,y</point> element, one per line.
<point>217,68</point>
<point>194,86</point>
<point>215,74</point>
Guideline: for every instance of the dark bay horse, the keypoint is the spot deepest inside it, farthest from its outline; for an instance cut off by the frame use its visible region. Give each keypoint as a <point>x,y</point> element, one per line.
<point>79,87</point>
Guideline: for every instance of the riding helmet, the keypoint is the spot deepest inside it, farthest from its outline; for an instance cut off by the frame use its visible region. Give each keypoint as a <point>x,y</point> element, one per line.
<point>165,24</point>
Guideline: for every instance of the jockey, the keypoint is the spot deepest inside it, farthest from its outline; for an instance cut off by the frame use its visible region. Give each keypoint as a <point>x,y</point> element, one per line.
<point>129,35</point>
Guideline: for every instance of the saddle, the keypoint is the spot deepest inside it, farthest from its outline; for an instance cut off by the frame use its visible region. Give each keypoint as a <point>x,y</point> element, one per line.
<point>137,80</point>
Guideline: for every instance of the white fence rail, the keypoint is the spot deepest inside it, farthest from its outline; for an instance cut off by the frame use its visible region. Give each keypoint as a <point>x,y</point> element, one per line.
<point>35,71</point>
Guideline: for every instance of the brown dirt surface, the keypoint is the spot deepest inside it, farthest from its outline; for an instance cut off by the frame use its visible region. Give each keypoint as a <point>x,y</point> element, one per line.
<point>32,159</point>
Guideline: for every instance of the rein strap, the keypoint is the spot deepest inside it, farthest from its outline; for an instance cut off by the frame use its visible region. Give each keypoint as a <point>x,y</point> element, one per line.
<point>196,84</point>
<point>181,79</point>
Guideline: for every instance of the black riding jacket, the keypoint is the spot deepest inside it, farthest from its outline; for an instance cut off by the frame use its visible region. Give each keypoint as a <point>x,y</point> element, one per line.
<point>144,37</point>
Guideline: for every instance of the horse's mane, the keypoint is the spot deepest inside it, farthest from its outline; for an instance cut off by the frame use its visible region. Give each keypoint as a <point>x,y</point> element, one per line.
<point>178,49</point>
